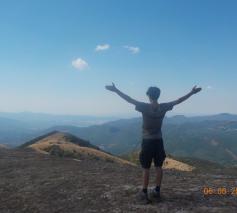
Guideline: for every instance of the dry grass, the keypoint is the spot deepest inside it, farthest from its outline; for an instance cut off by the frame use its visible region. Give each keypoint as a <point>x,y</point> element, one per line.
<point>2,146</point>
<point>177,165</point>
<point>72,149</point>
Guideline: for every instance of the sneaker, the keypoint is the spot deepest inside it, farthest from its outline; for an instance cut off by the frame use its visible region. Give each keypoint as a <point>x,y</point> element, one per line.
<point>155,195</point>
<point>143,198</point>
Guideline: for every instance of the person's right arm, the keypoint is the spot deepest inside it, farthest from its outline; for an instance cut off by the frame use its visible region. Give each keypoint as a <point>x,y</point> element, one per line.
<point>113,88</point>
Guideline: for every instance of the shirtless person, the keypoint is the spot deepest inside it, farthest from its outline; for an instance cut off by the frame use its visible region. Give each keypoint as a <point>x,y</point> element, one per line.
<point>153,114</point>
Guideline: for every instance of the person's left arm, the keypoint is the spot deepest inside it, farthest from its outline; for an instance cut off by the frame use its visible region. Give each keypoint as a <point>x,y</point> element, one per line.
<point>194,90</point>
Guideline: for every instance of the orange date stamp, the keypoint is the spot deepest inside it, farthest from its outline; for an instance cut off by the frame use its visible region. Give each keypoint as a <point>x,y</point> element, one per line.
<point>221,191</point>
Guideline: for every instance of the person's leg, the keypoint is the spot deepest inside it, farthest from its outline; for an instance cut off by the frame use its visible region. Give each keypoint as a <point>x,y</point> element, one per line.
<point>159,159</point>
<point>159,175</point>
<point>145,158</point>
<point>146,175</point>
<point>143,195</point>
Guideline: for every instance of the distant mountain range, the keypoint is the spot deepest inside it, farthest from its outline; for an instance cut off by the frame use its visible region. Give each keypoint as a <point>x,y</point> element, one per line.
<point>211,137</point>
<point>16,128</point>
<point>218,117</point>
<point>208,137</point>
<point>44,120</point>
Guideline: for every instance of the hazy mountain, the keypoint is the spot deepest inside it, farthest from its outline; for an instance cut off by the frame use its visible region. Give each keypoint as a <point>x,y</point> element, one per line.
<point>13,132</point>
<point>116,137</point>
<point>44,120</point>
<point>16,128</point>
<point>208,139</point>
<point>178,119</point>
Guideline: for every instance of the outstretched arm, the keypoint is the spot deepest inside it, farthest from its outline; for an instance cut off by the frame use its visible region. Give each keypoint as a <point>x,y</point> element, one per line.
<point>113,88</point>
<point>185,97</point>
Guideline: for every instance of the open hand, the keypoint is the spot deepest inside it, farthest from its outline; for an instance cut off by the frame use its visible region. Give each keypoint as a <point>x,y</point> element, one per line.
<point>196,89</point>
<point>111,87</point>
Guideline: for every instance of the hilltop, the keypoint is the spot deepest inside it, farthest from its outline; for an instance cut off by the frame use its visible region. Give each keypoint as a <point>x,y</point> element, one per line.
<point>31,181</point>
<point>3,146</point>
<point>56,137</point>
<point>67,145</point>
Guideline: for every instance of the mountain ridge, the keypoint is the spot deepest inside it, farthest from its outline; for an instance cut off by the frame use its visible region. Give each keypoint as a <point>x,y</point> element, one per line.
<point>209,139</point>
<point>67,145</point>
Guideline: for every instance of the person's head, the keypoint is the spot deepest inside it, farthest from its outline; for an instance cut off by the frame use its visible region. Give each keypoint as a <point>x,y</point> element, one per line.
<point>153,93</point>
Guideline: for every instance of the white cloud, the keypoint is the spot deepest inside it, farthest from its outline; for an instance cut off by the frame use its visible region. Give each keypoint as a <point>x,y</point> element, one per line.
<point>102,47</point>
<point>133,50</point>
<point>209,87</point>
<point>79,64</point>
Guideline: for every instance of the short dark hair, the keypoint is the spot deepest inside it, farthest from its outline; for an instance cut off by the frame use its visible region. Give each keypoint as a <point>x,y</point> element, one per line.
<point>153,93</point>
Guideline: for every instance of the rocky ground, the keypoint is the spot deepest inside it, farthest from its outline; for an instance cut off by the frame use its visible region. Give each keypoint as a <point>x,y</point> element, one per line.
<point>31,182</point>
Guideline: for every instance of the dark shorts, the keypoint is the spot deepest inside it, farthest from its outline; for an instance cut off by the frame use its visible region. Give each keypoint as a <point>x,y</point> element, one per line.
<point>152,149</point>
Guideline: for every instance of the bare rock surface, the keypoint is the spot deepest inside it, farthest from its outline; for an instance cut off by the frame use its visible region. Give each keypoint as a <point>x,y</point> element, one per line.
<point>32,182</point>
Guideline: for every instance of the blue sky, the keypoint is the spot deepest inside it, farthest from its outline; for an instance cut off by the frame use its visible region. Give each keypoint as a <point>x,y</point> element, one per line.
<point>49,61</point>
